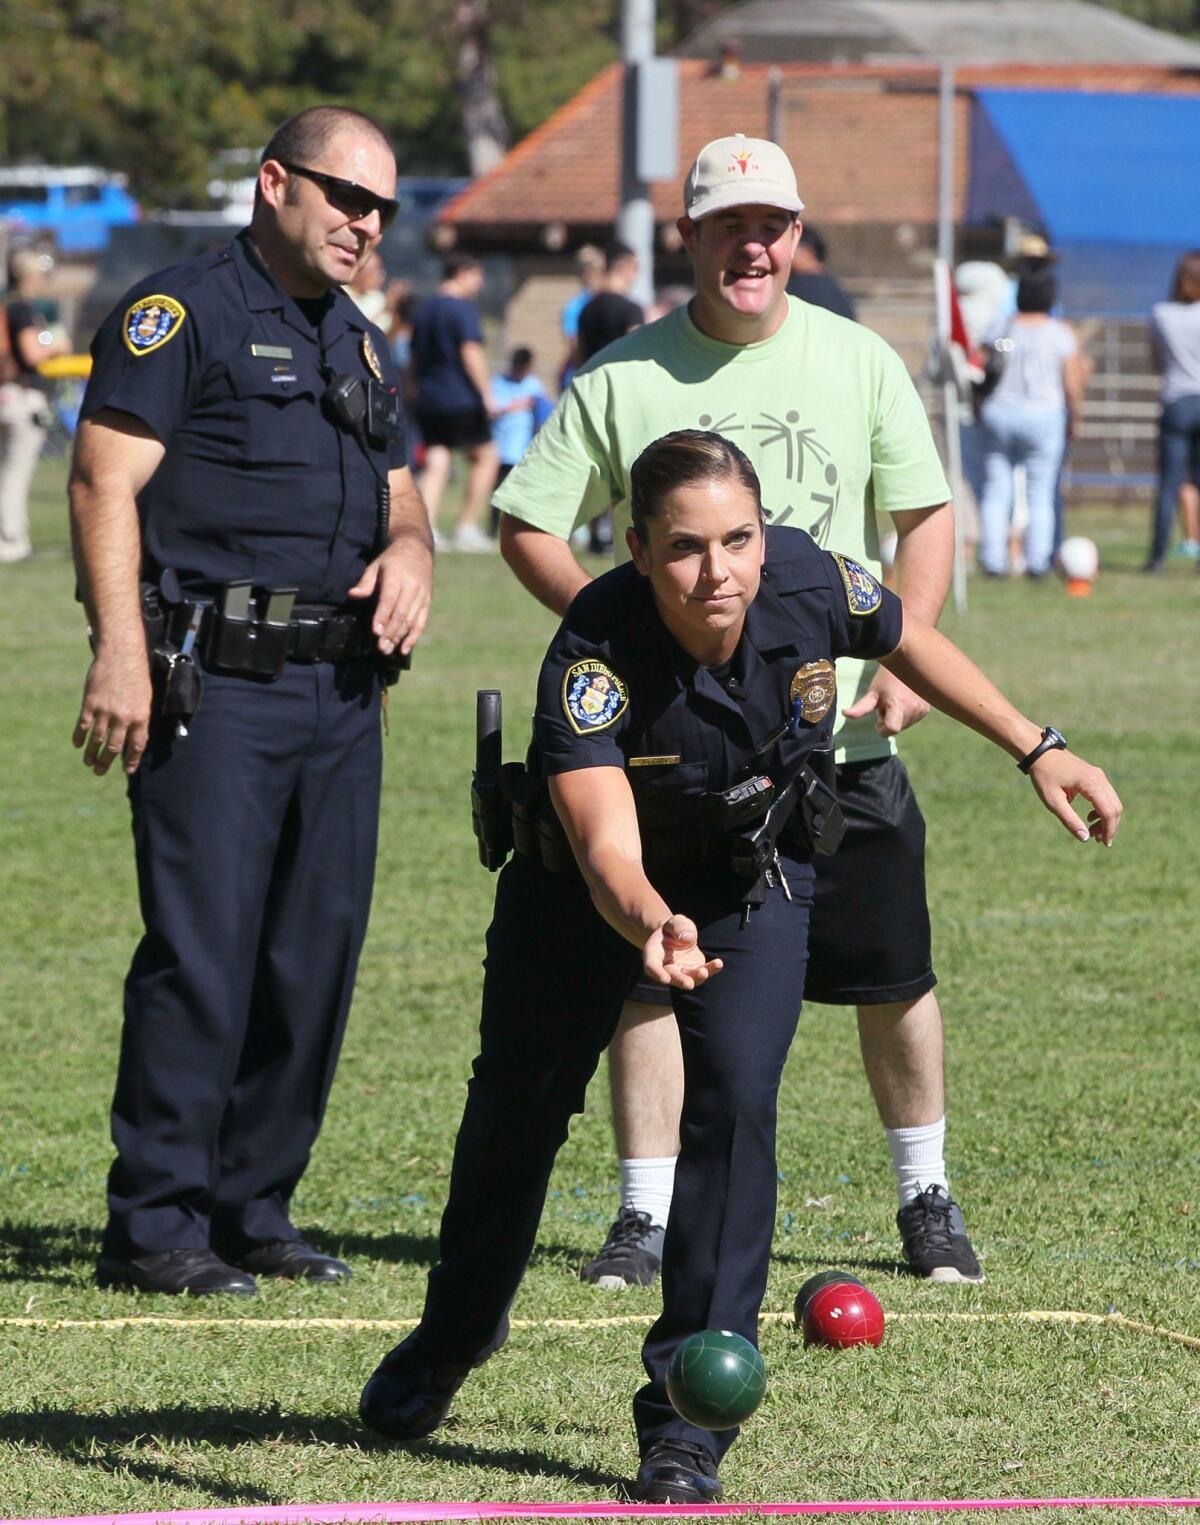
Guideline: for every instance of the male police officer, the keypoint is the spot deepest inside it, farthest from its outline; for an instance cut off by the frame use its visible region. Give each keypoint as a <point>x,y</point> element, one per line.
<point>240,442</point>
<point>831,421</point>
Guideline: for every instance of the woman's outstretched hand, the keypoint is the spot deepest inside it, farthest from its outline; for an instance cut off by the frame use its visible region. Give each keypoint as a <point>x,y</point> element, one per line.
<point>1060,776</point>
<point>671,955</point>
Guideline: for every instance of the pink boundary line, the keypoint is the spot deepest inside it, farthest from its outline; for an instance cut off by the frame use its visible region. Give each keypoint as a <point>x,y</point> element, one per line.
<point>389,1514</point>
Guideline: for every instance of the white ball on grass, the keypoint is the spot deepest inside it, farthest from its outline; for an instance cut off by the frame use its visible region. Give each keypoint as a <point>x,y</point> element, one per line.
<point>1079,558</point>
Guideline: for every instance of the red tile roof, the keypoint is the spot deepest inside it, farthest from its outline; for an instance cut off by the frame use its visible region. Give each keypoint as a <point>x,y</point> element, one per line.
<point>863,139</point>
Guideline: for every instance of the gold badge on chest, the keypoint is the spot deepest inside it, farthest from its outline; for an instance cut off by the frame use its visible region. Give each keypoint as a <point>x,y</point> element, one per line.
<point>372,359</point>
<point>814,688</point>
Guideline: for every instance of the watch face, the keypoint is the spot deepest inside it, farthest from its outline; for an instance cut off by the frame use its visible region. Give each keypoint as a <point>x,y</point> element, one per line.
<point>1055,738</point>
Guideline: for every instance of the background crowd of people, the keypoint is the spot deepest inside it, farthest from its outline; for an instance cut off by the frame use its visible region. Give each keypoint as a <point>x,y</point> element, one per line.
<point>1018,419</point>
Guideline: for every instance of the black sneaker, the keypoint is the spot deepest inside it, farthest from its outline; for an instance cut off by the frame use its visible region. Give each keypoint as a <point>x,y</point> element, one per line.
<point>677,1472</point>
<point>632,1254</point>
<point>935,1238</point>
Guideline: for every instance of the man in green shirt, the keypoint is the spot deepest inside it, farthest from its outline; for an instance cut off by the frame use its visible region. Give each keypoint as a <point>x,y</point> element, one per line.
<point>833,425</point>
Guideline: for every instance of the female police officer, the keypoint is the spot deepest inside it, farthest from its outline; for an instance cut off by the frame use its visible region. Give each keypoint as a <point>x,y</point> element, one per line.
<point>674,690</point>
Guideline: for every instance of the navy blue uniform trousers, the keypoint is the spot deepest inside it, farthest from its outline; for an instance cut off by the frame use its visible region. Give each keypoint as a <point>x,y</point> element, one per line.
<point>556,979</point>
<point>255,838</point>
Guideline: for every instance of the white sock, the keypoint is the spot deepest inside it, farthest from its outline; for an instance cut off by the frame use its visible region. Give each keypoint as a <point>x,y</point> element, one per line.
<point>918,1158</point>
<point>647,1186</point>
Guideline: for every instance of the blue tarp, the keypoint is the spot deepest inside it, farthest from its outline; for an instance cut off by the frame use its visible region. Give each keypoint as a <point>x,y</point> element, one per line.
<point>1114,180</point>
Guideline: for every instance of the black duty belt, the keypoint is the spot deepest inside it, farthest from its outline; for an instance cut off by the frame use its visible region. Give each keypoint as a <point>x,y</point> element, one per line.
<point>315,632</point>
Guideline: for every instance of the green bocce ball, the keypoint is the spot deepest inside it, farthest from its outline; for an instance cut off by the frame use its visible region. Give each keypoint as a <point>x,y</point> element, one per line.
<point>716,1379</point>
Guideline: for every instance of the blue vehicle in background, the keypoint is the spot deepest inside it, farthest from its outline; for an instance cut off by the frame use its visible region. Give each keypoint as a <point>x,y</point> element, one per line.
<point>77,207</point>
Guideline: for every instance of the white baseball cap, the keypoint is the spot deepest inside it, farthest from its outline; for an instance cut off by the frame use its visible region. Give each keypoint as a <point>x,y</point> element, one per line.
<point>740,171</point>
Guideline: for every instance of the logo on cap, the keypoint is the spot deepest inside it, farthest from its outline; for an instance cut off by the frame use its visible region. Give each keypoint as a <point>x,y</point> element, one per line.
<point>740,171</point>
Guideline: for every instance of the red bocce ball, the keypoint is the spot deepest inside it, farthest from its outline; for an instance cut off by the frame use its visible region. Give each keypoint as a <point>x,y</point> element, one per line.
<point>843,1314</point>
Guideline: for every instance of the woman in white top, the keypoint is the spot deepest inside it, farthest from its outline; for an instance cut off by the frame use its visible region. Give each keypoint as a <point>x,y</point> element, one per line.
<point>1025,422</point>
<point>1175,336</point>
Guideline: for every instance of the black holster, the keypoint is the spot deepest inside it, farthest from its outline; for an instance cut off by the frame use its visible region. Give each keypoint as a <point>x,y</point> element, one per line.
<point>175,679</point>
<point>754,849</point>
<point>516,814</point>
<point>817,825</point>
<point>492,816</point>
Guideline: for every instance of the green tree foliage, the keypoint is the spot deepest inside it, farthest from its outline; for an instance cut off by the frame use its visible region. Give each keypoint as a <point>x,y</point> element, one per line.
<point>158,87</point>
<point>546,51</point>
<point>1167,15</point>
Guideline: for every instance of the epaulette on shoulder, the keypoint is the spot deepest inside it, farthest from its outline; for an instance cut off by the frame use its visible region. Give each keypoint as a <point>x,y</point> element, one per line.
<point>179,279</point>
<point>793,559</point>
<point>593,608</point>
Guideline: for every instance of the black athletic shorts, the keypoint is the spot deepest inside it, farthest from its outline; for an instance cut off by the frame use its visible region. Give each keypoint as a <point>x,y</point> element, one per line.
<point>868,941</point>
<point>456,431</point>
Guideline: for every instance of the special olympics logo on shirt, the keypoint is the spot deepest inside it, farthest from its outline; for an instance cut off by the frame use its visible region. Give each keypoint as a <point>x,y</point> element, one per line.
<point>593,697</point>
<point>807,462</point>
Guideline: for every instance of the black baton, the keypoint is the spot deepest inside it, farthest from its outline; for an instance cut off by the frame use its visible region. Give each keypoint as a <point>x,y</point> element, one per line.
<point>491,812</point>
<point>488,737</point>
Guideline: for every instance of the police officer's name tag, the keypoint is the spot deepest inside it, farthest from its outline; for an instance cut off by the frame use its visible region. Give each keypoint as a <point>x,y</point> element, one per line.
<point>150,322</point>
<point>863,593</point>
<point>813,688</point>
<point>271,351</point>
<point>593,697</point>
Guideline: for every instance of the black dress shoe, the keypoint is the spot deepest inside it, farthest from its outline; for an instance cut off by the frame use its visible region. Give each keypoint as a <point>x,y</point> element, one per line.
<point>677,1472</point>
<point>198,1272</point>
<point>294,1259</point>
<point>410,1391</point>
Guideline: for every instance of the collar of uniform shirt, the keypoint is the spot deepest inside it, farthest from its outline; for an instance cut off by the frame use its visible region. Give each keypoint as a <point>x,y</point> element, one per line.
<point>263,292</point>
<point>771,626</point>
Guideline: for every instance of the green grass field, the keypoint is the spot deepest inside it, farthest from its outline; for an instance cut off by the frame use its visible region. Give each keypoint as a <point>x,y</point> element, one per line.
<point>1069,984</point>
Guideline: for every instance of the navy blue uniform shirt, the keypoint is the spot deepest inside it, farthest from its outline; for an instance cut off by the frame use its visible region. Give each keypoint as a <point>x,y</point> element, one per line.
<point>441,325</point>
<point>228,371</point>
<point>616,690</point>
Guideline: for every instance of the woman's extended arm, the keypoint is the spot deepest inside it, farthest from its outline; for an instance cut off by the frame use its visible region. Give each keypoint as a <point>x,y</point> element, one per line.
<point>947,677</point>
<point>598,814</point>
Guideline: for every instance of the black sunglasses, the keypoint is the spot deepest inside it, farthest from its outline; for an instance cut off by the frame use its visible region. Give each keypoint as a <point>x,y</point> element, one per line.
<point>347,196</point>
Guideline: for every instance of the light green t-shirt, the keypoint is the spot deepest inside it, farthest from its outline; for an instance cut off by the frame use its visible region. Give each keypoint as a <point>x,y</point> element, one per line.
<point>824,409</point>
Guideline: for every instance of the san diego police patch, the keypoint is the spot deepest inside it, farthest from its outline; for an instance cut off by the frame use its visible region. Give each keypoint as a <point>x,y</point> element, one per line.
<point>150,322</point>
<point>593,697</point>
<point>863,593</point>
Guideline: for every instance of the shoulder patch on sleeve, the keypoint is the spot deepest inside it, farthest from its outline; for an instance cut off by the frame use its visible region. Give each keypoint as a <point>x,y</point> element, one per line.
<point>593,697</point>
<point>150,322</point>
<point>863,593</point>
